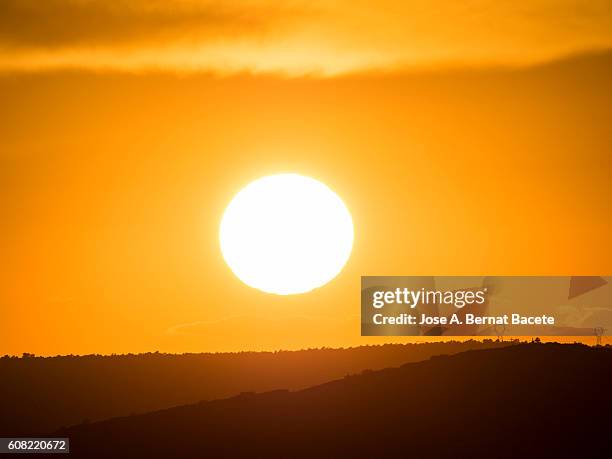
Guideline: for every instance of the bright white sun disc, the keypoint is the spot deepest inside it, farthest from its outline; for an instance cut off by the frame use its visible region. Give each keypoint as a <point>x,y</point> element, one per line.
<point>286,234</point>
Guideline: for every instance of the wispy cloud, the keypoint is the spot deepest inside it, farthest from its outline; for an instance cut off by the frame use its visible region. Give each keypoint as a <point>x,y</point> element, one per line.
<point>294,36</point>
<point>250,332</point>
<point>239,321</point>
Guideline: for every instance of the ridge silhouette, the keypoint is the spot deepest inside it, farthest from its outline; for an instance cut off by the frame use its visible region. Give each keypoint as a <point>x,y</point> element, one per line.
<point>40,395</point>
<point>526,400</point>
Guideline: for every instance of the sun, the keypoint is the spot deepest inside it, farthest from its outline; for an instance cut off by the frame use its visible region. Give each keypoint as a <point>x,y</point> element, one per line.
<point>286,234</point>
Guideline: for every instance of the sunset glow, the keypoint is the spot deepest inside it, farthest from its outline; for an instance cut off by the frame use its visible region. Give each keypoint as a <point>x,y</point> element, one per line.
<point>465,138</point>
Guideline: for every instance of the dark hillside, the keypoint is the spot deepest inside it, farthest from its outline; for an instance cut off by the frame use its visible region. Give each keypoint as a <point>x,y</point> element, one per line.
<point>43,394</point>
<point>531,400</point>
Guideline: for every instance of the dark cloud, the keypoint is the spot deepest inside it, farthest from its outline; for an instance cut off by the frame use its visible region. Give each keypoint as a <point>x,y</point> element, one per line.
<point>72,23</point>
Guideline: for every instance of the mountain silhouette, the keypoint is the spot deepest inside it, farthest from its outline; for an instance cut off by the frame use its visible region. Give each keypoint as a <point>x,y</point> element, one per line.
<point>530,400</point>
<point>42,394</point>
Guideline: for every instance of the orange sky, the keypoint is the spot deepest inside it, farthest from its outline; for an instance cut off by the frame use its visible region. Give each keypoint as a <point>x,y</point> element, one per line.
<point>295,36</point>
<point>112,184</point>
